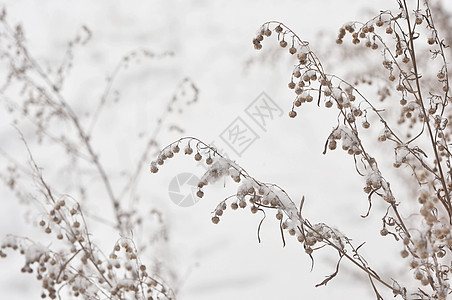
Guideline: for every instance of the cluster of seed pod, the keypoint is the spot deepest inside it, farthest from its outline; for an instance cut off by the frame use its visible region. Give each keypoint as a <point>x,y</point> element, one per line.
<point>350,143</point>
<point>398,58</point>
<point>78,264</point>
<point>261,196</point>
<point>170,150</point>
<point>308,80</point>
<point>135,278</point>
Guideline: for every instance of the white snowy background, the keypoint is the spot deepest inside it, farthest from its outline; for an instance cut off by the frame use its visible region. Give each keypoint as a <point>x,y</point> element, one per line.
<point>212,45</point>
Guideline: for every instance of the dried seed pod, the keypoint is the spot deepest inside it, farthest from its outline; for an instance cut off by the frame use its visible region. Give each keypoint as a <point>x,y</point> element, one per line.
<point>198,156</point>
<point>154,168</point>
<point>188,150</point>
<point>274,202</point>
<point>332,145</point>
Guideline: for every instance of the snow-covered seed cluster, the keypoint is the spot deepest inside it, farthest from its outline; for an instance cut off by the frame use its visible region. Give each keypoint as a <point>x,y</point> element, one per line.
<point>257,196</point>
<point>350,142</point>
<point>260,197</point>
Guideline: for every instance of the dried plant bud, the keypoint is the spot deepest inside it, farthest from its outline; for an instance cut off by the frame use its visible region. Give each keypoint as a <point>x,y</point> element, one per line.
<point>328,104</point>
<point>404,253</point>
<point>283,43</point>
<point>278,29</point>
<point>292,50</point>
<point>188,150</point>
<point>154,168</point>
<point>198,156</point>
<point>292,114</point>
<point>200,193</point>
<point>215,220</point>
<point>332,145</point>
